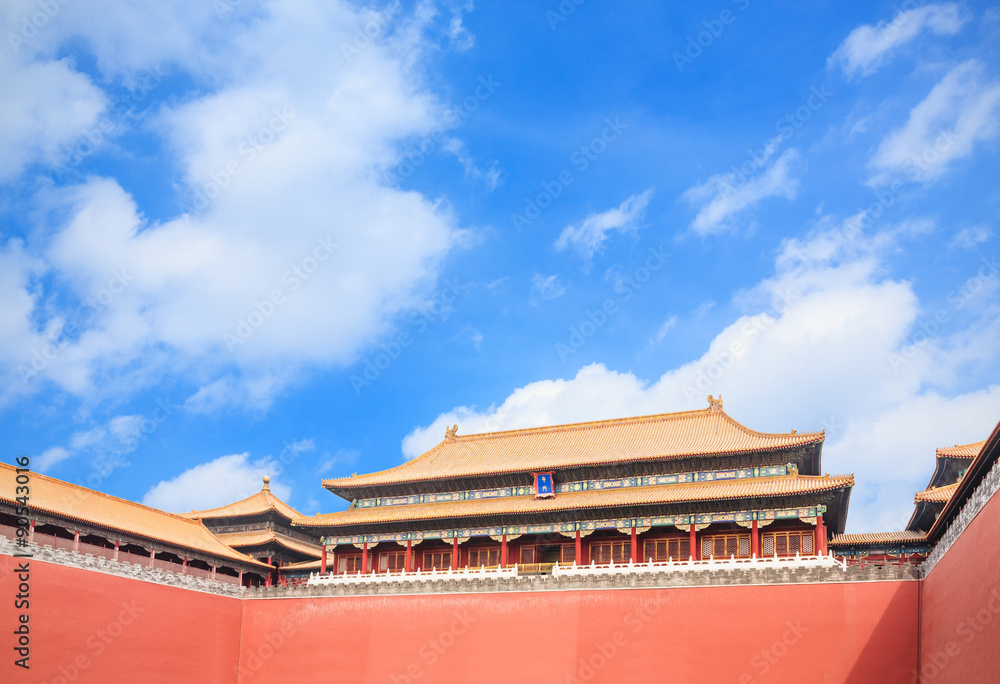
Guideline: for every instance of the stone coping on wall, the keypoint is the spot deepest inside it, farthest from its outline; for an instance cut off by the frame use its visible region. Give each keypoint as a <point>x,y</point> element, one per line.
<point>975,503</point>
<point>75,559</point>
<point>714,578</point>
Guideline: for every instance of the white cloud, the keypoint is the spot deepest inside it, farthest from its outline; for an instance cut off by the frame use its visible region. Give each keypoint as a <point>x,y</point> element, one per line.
<point>819,347</point>
<point>281,153</point>
<point>50,457</point>
<point>665,328</point>
<point>546,287</point>
<point>867,47</point>
<point>961,110</point>
<point>724,195</point>
<point>587,237</point>
<point>215,483</point>
<point>968,238</point>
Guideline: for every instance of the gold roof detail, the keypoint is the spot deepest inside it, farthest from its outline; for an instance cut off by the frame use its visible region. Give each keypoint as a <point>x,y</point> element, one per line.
<point>261,502</point>
<point>73,502</point>
<point>961,450</point>
<point>585,500</point>
<point>877,538</point>
<point>261,537</point>
<point>937,494</point>
<point>703,432</point>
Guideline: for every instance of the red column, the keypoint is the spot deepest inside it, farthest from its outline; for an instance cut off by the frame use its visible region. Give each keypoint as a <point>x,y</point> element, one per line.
<point>755,539</point>
<point>31,531</point>
<point>184,566</point>
<point>76,541</point>
<point>364,559</point>
<point>694,543</point>
<point>635,546</point>
<point>116,549</point>
<point>820,543</point>
<point>240,580</point>
<point>579,549</point>
<point>152,557</point>
<point>213,572</point>
<point>322,561</point>
<point>454,553</point>
<point>409,554</point>
<point>503,551</point>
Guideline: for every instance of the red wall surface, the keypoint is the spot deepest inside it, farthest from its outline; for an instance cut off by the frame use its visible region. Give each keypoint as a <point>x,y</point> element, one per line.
<point>960,611</point>
<point>90,627</point>
<point>858,632</point>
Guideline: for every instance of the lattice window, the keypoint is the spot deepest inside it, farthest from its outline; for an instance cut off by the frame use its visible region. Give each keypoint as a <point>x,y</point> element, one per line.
<point>788,543</point>
<point>567,553</point>
<point>349,564</point>
<point>726,546</point>
<point>392,561</point>
<point>659,550</point>
<point>488,556</point>
<point>606,552</point>
<point>527,555</point>
<point>437,560</point>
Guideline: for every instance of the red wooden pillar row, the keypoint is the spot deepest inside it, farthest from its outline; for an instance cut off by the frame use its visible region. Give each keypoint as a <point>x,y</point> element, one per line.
<point>322,560</point>
<point>454,553</point>
<point>755,540</point>
<point>634,555</point>
<point>409,554</point>
<point>503,551</point>
<point>579,549</point>
<point>694,543</point>
<point>364,559</point>
<point>820,543</point>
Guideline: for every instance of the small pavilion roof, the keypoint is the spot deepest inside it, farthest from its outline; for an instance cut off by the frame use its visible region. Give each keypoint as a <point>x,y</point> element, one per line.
<point>73,502</point>
<point>262,537</point>
<point>686,434</point>
<point>591,499</point>
<point>256,504</point>
<point>968,451</point>
<point>869,538</point>
<point>937,494</point>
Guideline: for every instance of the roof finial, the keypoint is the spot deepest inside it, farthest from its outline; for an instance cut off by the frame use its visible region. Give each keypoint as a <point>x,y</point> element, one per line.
<point>267,486</point>
<point>714,404</point>
<point>449,432</point>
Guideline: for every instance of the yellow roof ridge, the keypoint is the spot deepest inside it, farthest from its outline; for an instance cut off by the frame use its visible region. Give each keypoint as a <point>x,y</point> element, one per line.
<point>268,495</point>
<point>941,452</point>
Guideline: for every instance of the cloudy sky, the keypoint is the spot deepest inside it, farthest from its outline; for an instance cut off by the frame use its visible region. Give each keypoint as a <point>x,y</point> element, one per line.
<point>300,238</point>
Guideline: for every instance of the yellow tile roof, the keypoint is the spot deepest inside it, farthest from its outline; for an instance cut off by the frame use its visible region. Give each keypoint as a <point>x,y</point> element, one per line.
<point>877,538</point>
<point>261,502</point>
<point>607,498</point>
<point>67,500</point>
<point>937,494</point>
<point>311,565</point>
<point>261,537</point>
<point>961,450</point>
<point>702,432</point>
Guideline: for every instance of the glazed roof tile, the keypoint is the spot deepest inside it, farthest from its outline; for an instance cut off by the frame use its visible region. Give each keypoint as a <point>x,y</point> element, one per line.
<point>937,494</point>
<point>876,538</point>
<point>261,537</point>
<point>66,500</point>
<point>607,498</point>
<point>257,504</point>
<point>961,450</point>
<point>702,432</point>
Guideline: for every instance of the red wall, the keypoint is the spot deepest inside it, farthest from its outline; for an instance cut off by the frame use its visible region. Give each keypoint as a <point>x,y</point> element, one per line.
<point>859,632</point>
<point>960,625</point>
<point>90,627</point>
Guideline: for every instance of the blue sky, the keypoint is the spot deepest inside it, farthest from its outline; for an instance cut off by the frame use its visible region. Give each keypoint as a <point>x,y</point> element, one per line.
<point>302,237</point>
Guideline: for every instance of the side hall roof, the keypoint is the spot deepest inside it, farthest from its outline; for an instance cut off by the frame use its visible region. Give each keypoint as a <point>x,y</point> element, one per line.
<point>257,504</point>
<point>66,500</point>
<point>686,434</point>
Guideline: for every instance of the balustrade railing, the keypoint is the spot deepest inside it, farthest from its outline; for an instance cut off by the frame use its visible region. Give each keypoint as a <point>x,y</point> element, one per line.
<point>424,575</point>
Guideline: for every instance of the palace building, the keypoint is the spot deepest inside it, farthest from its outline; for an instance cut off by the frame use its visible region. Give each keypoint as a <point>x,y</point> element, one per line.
<point>670,487</point>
